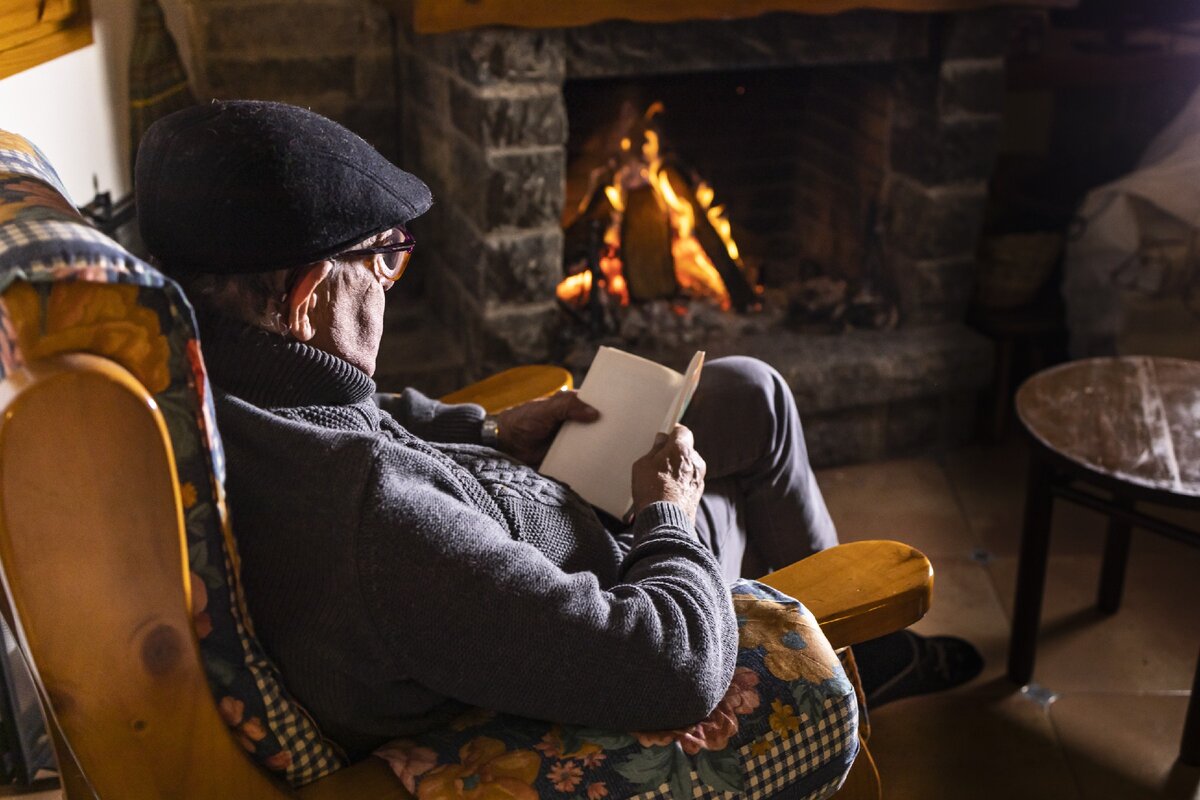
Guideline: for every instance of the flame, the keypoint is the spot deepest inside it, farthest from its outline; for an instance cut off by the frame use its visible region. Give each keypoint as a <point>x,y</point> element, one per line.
<point>610,265</point>
<point>650,148</point>
<point>615,197</point>
<point>716,218</point>
<point>694,270</point>
<point>575,288</point>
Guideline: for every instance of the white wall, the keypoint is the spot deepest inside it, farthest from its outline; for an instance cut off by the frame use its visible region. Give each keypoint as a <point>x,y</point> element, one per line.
<point>75,108</point>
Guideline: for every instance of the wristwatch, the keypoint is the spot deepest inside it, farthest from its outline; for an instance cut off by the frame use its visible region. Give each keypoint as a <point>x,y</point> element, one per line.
<point>489,434</point>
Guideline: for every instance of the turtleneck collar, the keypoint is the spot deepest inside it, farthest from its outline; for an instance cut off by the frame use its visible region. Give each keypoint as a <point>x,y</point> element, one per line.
<point>269,371</point>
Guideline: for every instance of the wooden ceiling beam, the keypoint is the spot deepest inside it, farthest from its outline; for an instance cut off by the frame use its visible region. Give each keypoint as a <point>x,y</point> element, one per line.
<point>440,16</point>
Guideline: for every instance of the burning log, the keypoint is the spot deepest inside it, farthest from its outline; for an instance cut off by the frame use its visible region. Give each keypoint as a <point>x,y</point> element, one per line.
<point>578,237</point>
<point>665,238</point>
<point>646,246</point>
<point>741,294</point>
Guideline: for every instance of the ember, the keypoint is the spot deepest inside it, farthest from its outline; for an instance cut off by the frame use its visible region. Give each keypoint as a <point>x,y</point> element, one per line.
<point>652,232</point>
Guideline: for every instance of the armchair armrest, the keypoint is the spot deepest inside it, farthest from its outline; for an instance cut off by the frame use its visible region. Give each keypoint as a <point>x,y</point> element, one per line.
<point>513,387</point>
<point>860,590</point>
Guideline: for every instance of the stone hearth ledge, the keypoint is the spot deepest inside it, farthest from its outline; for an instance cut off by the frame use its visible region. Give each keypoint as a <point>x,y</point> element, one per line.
<point>868,395</point>
<point>862,395</point>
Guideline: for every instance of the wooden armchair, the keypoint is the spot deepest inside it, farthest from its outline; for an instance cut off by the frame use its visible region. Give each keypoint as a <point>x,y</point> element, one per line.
<point>95,574</point>
<point>106,439</point>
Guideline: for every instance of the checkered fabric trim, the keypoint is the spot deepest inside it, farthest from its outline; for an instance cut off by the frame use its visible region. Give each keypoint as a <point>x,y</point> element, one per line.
<point>828,790</point>
<point>817,743</point>
<point>52,234</point>
<point>312,756</point>
<point>831,741</point>
<point>15,162</point>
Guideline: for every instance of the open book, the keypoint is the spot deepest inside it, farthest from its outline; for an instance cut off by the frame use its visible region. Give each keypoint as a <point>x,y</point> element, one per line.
<point>637,399</point>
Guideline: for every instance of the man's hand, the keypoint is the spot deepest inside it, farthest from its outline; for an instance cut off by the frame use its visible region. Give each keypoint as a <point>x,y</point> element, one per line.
<point>671,471</point>
<point>527,430</point>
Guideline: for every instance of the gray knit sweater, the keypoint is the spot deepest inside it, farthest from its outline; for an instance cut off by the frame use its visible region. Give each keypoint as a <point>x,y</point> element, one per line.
<point>394,570</point>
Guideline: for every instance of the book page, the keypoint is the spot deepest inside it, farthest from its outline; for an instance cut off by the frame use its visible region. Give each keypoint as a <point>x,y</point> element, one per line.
<point>691,379</point>
<point>633,396</point>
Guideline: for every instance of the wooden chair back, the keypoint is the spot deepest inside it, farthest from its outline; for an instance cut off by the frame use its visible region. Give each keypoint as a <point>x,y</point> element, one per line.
<point>95,575</point>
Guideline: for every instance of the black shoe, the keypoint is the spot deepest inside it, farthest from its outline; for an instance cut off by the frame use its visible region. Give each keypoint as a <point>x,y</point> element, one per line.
<point>904,664</point>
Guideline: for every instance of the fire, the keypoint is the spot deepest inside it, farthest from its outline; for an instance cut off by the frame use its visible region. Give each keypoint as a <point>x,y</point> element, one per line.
<point>694,270</point>
<point>695,273</point>
<point>716,216</point>
<point>576,289</point>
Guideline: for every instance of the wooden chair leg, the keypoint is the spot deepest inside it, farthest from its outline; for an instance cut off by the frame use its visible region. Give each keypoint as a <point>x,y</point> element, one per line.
<point>1031,570</point>
<point>846,655</point>
<point>863,781</point>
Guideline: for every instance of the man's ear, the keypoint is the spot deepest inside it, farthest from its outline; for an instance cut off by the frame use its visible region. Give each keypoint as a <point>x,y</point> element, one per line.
<point>303,299</point>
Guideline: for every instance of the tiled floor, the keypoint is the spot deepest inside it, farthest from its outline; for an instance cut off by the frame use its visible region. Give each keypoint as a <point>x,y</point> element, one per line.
<point>1121,682</point>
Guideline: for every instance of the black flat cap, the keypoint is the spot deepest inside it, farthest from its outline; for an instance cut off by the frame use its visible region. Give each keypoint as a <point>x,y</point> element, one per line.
<point>251,186</point>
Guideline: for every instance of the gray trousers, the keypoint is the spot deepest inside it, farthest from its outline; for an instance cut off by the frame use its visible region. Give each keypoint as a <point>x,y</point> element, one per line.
<point>762,509</point>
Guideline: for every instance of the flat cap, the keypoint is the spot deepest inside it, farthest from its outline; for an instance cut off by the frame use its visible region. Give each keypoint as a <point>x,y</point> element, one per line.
<point>251,186</point>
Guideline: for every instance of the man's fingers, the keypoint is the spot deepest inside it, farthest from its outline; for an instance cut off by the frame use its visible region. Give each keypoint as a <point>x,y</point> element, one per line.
<point>566,405</point>
<point>682,435</point>
<point>580,411</point>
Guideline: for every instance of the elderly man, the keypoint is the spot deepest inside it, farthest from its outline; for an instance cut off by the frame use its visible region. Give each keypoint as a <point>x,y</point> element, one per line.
<point>392,560</point>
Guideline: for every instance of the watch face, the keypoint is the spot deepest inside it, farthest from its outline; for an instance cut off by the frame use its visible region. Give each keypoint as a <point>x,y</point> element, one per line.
<point>490,432</point>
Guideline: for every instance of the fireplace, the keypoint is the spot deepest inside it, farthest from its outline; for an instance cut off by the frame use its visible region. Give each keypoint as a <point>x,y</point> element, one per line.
<point>854,152</point>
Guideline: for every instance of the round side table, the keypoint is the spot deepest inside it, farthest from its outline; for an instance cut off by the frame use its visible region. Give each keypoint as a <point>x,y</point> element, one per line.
<point>1107,433</point>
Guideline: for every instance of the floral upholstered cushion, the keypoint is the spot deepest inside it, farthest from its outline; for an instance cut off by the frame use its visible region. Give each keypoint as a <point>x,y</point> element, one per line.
<point>66,287</point>
<point>786,728</point>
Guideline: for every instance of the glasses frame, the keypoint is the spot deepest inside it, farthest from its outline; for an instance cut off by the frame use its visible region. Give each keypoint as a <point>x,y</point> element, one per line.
<point>392,272</point>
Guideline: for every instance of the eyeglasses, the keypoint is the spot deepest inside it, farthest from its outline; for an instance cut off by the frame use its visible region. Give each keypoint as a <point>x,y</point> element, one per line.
<point>396,252</point>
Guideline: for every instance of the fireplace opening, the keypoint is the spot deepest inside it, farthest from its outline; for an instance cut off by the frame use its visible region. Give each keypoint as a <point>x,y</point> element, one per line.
<point>647,227</point>
<point>752,192</point>
<point>849,153</point>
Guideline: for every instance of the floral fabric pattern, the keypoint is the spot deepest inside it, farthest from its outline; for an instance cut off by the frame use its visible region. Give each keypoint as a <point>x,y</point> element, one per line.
<point>65,287</point>
<point>786,727</point>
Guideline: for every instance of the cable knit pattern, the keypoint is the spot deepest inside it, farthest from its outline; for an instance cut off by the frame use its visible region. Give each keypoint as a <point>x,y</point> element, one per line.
<point>388,574</point>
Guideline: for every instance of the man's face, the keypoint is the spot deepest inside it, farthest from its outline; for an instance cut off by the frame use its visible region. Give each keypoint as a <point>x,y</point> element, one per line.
<point>348,317</point>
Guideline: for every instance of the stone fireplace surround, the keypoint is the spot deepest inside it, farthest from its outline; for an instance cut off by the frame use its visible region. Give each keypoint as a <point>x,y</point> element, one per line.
<point>479,113</point>
<point>485,124</point>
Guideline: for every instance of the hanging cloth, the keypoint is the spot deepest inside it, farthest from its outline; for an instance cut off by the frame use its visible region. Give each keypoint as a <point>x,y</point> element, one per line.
<point>158,84</point>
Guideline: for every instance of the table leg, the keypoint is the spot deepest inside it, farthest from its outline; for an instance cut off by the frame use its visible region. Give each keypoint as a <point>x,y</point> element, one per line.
<point>1189,749</point>
<point>1116,555</point>
<point>1031,570</point>
<point>1003,382</point>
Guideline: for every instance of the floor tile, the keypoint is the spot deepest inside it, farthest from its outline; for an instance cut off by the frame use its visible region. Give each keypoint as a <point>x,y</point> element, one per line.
<point>989,482</point>
<point>965,605</point>
<point>1149,645</point>
<point>988,743</point>
<point>1123,747</point>
<point>908,500</point>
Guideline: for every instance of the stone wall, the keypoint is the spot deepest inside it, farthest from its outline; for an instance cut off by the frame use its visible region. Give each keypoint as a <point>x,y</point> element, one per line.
<point>943,141</point>
<point>336,57</point>
<point>486,126</point>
